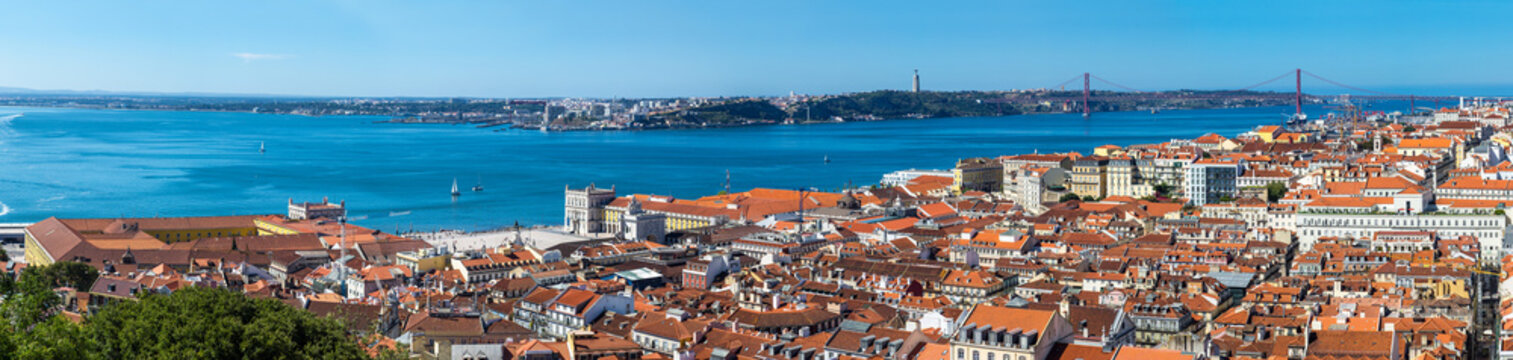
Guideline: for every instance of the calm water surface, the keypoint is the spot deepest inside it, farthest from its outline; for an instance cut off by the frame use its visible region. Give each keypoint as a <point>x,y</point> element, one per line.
<point>105,163</point>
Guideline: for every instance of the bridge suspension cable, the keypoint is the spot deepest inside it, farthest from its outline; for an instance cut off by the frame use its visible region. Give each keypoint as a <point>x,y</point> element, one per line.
<point>1111,83</point>
<point>1063,84</point>
<point>1336,83</point>
<point>1284,75</point>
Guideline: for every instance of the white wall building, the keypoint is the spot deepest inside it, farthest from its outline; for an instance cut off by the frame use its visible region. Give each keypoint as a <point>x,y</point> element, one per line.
<point>641,225</point>
<point>1208,181</point>
<point>584,209</point>
<point>1488,229</point>
<point>902,177</point>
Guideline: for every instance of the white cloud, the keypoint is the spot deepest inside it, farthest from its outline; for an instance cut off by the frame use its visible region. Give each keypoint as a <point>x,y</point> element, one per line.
<point>250,57</point>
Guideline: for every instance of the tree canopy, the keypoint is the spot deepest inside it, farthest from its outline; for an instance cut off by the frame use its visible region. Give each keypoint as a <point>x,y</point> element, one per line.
<point>1275,191</point>
<point>79,276</point>
<point>897,104</point>
<point>730,113</point>
<point>217,324</point>
<point>191,323</point>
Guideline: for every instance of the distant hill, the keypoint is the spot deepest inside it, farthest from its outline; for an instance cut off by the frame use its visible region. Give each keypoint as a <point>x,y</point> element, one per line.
<point>891,104</point>
<point>874,105</point>
<point>742,112</point>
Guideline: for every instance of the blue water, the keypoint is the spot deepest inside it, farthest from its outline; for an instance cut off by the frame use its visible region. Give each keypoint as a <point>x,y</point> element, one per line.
<point>105,163</point>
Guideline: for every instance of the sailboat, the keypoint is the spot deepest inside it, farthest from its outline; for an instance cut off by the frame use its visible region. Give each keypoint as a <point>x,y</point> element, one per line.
<point>454,188</point>
<point>479,187</point>
<point>262,147</point>
<point>827,159</point>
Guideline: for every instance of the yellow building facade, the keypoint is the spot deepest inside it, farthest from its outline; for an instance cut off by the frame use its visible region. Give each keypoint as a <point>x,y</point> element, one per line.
<point>675,221</point>
<point>977,174</point>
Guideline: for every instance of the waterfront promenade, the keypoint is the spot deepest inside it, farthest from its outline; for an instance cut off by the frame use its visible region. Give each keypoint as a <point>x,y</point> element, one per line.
<point>541,237</point>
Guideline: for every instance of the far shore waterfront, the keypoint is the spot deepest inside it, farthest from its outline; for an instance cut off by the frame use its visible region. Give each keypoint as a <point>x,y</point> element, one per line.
<point>577,114</point>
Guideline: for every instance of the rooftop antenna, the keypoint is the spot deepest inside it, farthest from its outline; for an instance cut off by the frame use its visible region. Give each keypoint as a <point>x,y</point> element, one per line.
<point>342,267</point>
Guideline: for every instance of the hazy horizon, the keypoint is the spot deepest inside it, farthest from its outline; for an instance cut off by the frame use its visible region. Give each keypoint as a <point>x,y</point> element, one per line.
<point>660,50</point>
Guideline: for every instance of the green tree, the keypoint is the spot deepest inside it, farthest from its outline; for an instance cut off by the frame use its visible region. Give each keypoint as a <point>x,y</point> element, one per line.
<point>1068,197</point>
<point>393,354</point>
<point>7,285</point>
<point>1275,191</point>
<point>216,324</point>
<point>729,113</point>
<point>31,300</point>
<point>892,104</point>
<point>71,274</point>
<point>55,338</point>
<point>28,306</point>
<point>1163,190</point>
<point>1089,198</point>
<point>31,328</point>
<point>192,323</point>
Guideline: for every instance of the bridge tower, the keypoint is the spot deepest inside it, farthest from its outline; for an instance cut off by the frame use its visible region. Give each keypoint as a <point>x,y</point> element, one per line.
<point>1298,97</point>
<point>1087,109</point>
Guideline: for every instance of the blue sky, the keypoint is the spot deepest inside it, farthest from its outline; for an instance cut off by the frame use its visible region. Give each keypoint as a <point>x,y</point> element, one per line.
<point>712,48</point>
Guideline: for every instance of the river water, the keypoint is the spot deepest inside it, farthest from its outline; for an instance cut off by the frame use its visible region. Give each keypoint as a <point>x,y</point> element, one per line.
<point>109,163</point>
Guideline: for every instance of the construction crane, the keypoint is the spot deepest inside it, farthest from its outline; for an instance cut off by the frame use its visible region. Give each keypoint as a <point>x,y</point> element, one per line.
<point>1485,272</point>
<point>1351,112</point>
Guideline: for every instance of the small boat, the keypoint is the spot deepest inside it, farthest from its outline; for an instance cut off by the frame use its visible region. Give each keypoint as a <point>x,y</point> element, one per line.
<point>262,147</point>
<point>479,187</point>
<point>454,188</point>
<point>1292,119</point>
<point>827,159</point>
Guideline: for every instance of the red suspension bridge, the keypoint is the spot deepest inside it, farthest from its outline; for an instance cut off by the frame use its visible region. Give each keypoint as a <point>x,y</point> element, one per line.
<point>1246,93</point>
